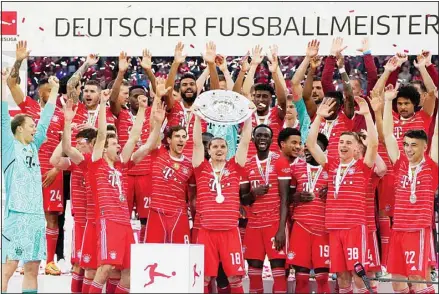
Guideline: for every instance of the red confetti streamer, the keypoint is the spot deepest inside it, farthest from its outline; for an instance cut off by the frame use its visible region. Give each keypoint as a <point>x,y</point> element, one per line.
<point>406,51</point>
<point>350,11</point>
<point>428,15</point>
<point>22,21</point>
<point>394,45</point>
<point>41,29</point>
<point>192,46</point>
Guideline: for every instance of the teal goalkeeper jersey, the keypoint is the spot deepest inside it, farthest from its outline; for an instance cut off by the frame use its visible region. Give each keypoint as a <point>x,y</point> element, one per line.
<point>21,166</point>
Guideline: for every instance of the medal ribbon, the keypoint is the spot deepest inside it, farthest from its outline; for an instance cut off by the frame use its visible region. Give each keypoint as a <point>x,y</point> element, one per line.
<point>413,177</point>
<point>267,168</point>
<point>258,121</point>
<point>312,181</point>
<point>217,179</point>
<point>339,178</point>
<point>92,116</point>
<point>327,129</point>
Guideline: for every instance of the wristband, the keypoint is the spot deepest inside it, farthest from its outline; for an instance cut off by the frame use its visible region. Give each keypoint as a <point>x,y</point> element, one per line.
<point>341,70</point>
<point>368,52</point>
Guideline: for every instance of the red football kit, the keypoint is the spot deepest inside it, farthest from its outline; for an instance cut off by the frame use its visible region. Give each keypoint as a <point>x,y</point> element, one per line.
<point>168,220</point>
<point>333,130</point>
<point>264,214</point>
<point>113,224</point>
<point>410,243</point>
<point>309,242</point>
<point>138,177</point>
<point>373,253</point>
<point>219,213</point>
<point>345,216</point>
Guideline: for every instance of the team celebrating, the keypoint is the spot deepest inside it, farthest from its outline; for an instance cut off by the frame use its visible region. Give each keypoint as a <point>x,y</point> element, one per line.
<point>316,180</point>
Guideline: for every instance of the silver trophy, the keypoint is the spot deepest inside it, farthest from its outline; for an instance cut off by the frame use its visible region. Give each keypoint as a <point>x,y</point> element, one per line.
<point>223,107</point>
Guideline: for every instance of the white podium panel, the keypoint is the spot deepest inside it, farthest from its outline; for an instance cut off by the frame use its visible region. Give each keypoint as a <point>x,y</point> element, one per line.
<point>167,268</point>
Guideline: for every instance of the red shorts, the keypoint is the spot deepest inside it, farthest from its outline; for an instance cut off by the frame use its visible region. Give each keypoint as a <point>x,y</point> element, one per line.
<point>222,246</point>
<point>89,259</point>
<point>194,235</point>
<point>373,252</point>
<point>386,196</point>
<point>259,242</point>
<point>53,195</point>
<point>409,252</point>
<point>114,243</point>
<point>307,249</point>
<point>77,237</point>
<point>167,228</point>
<point>139,192</point>
<point>347,247</point>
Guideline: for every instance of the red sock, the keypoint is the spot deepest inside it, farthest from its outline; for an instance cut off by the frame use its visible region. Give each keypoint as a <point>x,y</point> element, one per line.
<point>120,289</point>
<point>142,234</point>
<point>225,290</point>
<point>385,237</point>
<point>111,285</point>
<point>86,285</point>
<point>322,283</point>
<point>347,290</point>
<point>280,281</point>
<point>206,287</point>
<point>76,286</point>
<point>95,287</point>
<point>374,289</point>
<point>51,238</point>
<point>236,286</point>
<point>302,283</point>
<point>255,277</point>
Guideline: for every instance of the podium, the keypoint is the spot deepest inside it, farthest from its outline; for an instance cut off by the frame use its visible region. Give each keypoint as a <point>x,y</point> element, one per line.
<point>167,268</point>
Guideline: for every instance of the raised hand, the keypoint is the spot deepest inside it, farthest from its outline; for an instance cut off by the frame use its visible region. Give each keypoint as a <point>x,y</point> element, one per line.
<point>363,137</point>
<point>159,113</point>
<point>315,62</point>
<point>337,46</point>
<point>257,55</point>
<point>340,60</point>
<point>69,113</point>
<point>146,62</point>
<point>376,100</point>
<point>92,59</point>
<point>143,101</point>
<point>313,48</point>
<point>21,52</point>
<point>363,107</point>
<point>273,61</point>
<point>325,107</point>
<point>210,54</point>
<point>364,45</point>
<point>390,93</point>
<point>53,82</point>
<point>401,58</point>
<point>105,95</point>
<point>221,62</point>
<point>123,61</point>
<point>178,53</point>
<point>245,66</point>
<point>392,64</point>
<point>160,87</point>
<point>420,62</point>
<point>427,55</point>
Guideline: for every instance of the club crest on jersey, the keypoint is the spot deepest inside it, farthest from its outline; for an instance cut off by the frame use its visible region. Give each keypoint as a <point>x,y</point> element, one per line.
<point>351,171</point>
<point>226,173</point>
<point>243,249</point>
<point>185,170</point>
<point>252,172</point>
<point>55,118</point>
<point>291,255</point>
<point>86,258</point>
<point>113,254</point>
<point>325,175</point>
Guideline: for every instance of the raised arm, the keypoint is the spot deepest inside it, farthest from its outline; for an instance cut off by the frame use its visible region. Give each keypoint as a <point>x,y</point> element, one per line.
<point>431,68</point>
<point>146,64</point>
<point>7,136</point>
<point>311,51</point>
<point>434,143</point>
<point>57,160</point>
<point>209,57</point>
<point>47,113</point>
<point>202,80</point>
<point>377,103</point>
<point>75,156</point>
<point>242,150</point>
<point>179,58</point>
<point>13,81</point>
<point>225,70</point>
<point>347,89</point>
<point>311,106</point>
<point>101,137</point>
<point>72,83</point>
<point>198,149</point>
<point>328,69</point>
<point>372,135</point>
<point>281,92</point>
<point>257,58</point>
<point>429,103</point>
<point>391,66</point>
<point>311,143</point>
<point>245,66</point>
<point>369,64</point>
<point>389,137</point>
<point>115,106</point>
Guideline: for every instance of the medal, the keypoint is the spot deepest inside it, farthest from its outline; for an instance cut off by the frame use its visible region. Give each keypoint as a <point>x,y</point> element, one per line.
<point>413,198</point>
<point>265,176</point>
<point>266,118</point>
<point>121,198</point>
<point>217,180</point>
<point>92,117</point>
<point>312,181</point>
<point>339,178</point>
<point>219,199</point>
<point>187,119</point>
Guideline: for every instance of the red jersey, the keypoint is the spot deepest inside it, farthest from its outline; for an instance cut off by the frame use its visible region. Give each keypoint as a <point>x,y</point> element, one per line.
<point>310,178</point>
<point>179,115</point>
<point>347,208</point>
<point>266,209</point>
<point>170,177</point>
<point>276,124</point>
<point>124,123</point>
<point>414,213</point>
<point>78,192</point>
<point>90,214</point>
<point>54,132</point>
<point>370,202</point>
<point>109,190</point>
<point>333,130</point>
<point>419,121</point>
<point>213,215</point>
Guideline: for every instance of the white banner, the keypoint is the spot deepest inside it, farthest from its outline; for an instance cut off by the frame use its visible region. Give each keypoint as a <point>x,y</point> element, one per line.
<point>75,29</point>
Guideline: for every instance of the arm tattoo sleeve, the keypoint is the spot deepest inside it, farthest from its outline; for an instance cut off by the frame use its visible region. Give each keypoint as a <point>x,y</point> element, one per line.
<point>74,80</point>
<point>16,69</point>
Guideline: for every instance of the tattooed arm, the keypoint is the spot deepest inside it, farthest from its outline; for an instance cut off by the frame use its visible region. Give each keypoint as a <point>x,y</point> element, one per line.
<point>13,80</point>
<point>72,83</point>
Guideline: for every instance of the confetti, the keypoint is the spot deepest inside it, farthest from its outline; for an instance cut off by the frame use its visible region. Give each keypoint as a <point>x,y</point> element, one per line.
<point>102,68</point>
<point>37,72</point>
<point>41,29</point>
<point>192,46</point>
<point>63,63</point>
<point>394,45</point>
<point>82,59</point>
<point>36,80</point>
<point>351,11</point>
<point>52,63</point>
<point>128,6</point>
<point>22,21</point>
<point>93,74</point>
<point>428,15</point>
<point>406,51</point>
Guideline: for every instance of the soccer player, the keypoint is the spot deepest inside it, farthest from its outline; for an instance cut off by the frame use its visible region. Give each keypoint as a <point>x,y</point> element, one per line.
<point>345,216</point>
<point>24,223</point>
<point>309,242</point>
<point>78,182</point>
<point>266,188</point>
<point>415,184</point>
<point>218,195</point>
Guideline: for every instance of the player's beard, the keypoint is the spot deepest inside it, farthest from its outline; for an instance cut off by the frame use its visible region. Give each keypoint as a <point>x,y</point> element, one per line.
<point>188,100</point>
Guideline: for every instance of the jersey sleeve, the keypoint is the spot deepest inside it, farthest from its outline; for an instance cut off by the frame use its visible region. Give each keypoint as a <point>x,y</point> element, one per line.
<point>282,168</point>
<point>198,170</point>
<point>30,107</point>
<point>83,165</point>
<point>43,124</point>
<point>7,137</point>
<point>426,120</point>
